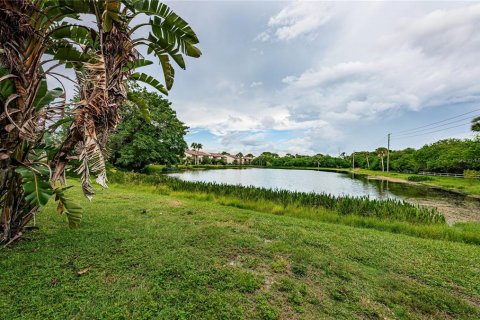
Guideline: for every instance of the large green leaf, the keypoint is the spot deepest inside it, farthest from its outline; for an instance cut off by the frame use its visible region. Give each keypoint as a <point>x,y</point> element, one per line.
<point>110,14</point>
<point>43,99</point>
<point>36,185</point>
<point>145,78</point>
<point>79,34</point>
<point>137,64</point>
<point>160,46</point>
<point>70,54</point>
<point>175,36</point>
<point>168,71</point>
<point>171,20</point>
<point>72,210</point>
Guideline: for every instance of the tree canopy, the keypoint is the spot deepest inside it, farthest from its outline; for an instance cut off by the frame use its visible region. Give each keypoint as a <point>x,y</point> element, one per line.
<point>136,144</point>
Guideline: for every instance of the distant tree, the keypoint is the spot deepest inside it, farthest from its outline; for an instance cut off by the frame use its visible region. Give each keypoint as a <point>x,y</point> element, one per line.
<point>382,152</point>
<point>239,154</point>
<point>250,155</point>
<point>366,158</point>
<point>196,147</point>
<point>136,143</point>
<point>476,124</point>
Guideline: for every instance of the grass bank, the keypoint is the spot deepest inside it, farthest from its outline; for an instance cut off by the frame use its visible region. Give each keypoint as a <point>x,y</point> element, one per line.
<point>386,215</point>
<point>139,254</point>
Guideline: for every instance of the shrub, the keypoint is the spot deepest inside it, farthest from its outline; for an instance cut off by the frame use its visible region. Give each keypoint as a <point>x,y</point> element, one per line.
<point>470,175</point>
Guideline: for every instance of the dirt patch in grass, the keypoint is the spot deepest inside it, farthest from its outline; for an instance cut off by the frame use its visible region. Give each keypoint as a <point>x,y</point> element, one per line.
<point>174,203</point>
<point>463,211</point>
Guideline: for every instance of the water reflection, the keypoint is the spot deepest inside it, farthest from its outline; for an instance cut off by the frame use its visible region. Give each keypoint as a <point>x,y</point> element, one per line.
<point>303,180</point>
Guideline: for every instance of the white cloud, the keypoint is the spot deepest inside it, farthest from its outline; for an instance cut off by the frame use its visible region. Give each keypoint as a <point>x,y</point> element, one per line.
<point>370,62</point>
<point>429,62</point>
<point>264,36</point>
<point>299,18</point>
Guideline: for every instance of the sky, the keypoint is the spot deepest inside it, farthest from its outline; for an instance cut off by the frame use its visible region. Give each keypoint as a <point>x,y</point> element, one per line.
<point>327,77</point>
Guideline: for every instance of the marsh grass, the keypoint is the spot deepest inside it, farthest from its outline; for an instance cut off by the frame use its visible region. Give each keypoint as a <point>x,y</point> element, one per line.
<point>386,215</point>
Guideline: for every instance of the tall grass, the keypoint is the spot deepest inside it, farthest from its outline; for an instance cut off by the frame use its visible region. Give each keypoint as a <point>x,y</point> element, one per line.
<point>390,209</point>
<point>384,215</point>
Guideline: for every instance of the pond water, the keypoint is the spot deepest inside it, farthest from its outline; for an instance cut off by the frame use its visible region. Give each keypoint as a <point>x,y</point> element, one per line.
<point>455,207</point>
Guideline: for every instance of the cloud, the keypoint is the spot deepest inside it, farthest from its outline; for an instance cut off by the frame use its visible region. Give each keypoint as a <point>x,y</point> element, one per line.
<point>256,84</point>
<point>444,31</point>
<point>299,18</point>
<point>428,62</point>
<point>371,63</point>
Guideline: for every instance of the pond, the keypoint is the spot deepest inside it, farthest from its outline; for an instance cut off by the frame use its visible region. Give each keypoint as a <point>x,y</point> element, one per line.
<point>455,207</point>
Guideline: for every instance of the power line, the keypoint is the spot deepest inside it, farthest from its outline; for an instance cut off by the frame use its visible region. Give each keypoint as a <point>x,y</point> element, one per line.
<point>426,133</point>
<point>434,123</point>
<point>438,126</point>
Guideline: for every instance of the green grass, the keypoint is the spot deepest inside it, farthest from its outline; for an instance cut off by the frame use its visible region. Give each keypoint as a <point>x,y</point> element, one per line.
<point>392,216</point>
<point>156,256</point>
<point>390,209</point>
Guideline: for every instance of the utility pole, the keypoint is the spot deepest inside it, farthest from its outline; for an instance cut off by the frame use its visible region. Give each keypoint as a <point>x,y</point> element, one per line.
<point>353,161</point>
<point>388,153</point>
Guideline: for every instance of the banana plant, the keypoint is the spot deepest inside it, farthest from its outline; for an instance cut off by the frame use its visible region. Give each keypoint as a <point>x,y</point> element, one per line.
<point>36,38</point>
<point>112,53</point>
<point>28,107</point>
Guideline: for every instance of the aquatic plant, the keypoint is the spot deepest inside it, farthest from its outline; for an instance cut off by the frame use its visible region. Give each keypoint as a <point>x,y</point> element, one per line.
<point>391,209</point>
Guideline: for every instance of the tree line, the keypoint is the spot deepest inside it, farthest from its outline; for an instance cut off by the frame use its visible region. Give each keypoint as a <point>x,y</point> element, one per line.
<point>448,155</point>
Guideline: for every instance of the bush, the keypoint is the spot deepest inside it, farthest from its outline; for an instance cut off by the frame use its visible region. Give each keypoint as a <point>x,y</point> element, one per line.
<point>154,168</point>
<point>419,178</point>
<point>471,175</point>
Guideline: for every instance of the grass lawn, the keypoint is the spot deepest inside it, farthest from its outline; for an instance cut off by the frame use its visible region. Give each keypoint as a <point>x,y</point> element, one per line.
<point>163,257</point>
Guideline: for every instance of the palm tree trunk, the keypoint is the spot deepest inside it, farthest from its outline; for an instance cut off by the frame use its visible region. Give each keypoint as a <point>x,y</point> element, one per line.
<point>383,167</point>
<point>15,212</point>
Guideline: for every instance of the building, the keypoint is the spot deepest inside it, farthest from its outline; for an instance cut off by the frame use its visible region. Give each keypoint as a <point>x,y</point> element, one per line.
<point>246,160</point>
<point>197,157</point>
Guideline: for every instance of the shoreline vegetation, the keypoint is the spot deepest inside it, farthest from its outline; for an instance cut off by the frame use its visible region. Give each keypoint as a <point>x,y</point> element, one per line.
<point>386,215</point>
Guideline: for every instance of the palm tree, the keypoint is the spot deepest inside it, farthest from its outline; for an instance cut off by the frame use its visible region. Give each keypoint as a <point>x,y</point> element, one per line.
<point>196,147</point>
<point>368,162</point>
<point>382,152</point>
<point>476,124</point>
<point>103,57</point>
<point>239,157</point>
